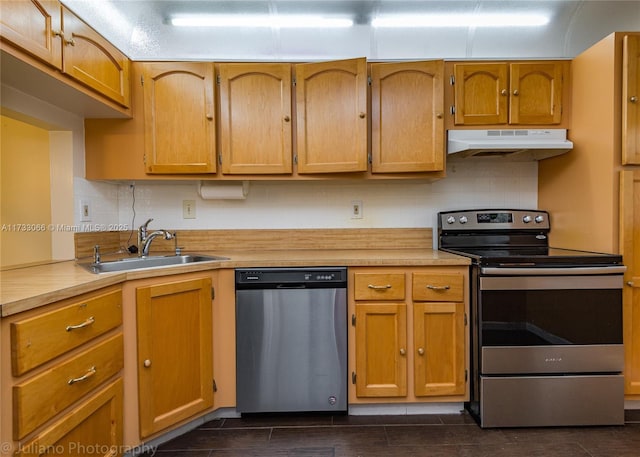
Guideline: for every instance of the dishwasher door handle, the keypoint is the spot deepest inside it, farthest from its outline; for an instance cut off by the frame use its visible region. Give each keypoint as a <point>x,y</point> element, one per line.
<point>291,286</point>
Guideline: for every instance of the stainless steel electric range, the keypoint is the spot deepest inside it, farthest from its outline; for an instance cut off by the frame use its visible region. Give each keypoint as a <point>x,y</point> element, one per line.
<point>546,333</point>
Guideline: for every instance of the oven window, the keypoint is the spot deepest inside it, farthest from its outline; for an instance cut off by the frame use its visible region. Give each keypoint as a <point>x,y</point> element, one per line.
<point>550,317</point>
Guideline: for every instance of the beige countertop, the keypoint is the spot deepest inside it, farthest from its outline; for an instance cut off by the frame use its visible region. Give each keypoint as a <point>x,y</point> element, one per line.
<point>25,288</point>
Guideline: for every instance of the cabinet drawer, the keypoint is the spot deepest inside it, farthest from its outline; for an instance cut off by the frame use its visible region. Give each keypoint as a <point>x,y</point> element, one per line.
<point>39,339</point>
<point>379,286</point>
<point>41,397</point>
<point>438,287</point>
<point>94,428</point>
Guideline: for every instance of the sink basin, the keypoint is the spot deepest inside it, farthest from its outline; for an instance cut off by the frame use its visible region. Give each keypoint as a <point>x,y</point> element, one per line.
<point>148,262</point>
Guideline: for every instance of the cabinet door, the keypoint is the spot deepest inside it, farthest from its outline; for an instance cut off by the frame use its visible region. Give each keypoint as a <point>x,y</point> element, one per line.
<point>179,127</point>
<point>255,118</point>
<point>93,61</point>
<point>93,428</point>
<point>407,126</point>
<point>331,114</point>
<point>35,27</point>
<point>175,354</point>
<point>481,93</point>
<point>630,248</point>
<point>439,348</point>
<point>631,100</point>
<point>535,93</point>
<point>381,349</point>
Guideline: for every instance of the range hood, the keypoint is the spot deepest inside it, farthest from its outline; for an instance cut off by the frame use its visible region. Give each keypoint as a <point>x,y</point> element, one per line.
<point>515,144</point>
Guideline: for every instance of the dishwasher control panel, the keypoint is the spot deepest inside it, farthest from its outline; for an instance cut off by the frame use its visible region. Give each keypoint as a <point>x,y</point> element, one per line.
<point>291,277</point>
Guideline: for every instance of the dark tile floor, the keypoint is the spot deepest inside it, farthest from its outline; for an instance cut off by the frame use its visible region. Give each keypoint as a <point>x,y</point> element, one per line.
<point>398,436</point>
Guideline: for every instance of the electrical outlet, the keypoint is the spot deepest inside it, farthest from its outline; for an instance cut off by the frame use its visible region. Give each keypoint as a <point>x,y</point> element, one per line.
<point>188,209</point>
<point>85,210</point>
<point>356,209</point>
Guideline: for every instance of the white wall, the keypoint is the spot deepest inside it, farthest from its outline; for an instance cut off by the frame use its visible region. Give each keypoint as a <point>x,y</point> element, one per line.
<point>314,204</point>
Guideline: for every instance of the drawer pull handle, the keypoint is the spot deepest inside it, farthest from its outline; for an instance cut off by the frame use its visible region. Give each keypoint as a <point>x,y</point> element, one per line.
<point>84,377</point>
<point>374,287</point>
<point>84,324</point>
<point>432,287</point>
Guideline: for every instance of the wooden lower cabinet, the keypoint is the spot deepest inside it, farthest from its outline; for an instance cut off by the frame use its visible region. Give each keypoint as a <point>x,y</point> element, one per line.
<point>175,352</point>
<point>381,354</point>
<point>413,350</point>
<point>439,349</point>
<point>630,248</point>
<point>92,428</point>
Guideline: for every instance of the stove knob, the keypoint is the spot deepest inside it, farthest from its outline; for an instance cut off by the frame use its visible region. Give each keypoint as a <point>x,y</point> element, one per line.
<point>451,220</point>
<point>539,219</point>
<point>463,219</point>
<point>527,219</point>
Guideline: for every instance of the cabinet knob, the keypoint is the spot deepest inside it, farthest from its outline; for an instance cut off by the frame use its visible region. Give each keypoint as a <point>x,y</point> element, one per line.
<point>630,283</point>
<point>362,115</point>
<point>503,92</point>
<point>402,351</point>
<point>439,115</point>
<point>516,92</point>
<point>287,118</point>
<point>59,33</point>
<point>209,116</point>
<point>147,363</point>
<point>633,99</point>
<point>70,41</point>
<point>421,351</point>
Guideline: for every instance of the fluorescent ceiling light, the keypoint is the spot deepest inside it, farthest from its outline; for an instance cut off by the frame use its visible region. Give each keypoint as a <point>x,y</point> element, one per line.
<point>243,20</point>
<point>461,20</point>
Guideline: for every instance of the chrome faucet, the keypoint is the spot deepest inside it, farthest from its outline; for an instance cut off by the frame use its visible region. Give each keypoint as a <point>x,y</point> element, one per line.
<point>144,239</point>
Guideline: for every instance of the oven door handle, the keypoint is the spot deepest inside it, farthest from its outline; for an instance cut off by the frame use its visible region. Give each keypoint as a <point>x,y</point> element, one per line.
<point>551,271</point>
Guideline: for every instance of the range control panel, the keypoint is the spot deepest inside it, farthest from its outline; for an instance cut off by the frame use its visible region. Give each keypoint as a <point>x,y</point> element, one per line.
<point>493,219</point>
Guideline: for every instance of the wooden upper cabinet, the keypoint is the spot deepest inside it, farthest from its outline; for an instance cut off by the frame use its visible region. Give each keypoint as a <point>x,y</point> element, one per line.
<point>331,102</point>
<point>93,61</point>
<point>179,117</point>
<point>509,93</point>
<point>407,104</point>
<point>35,27</point>
<point>631,100</point>
<point>535,93</point>
<point>255,118</point>
<point>481,93</point>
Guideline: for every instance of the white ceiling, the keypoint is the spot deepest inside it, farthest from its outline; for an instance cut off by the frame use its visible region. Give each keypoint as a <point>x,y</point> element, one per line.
<point>140,29</point>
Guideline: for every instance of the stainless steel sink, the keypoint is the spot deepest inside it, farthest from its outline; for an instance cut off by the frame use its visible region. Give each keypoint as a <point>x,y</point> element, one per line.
<point>147,262</point>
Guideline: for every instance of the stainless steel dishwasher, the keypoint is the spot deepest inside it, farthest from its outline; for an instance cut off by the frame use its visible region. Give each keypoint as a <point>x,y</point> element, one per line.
<point>291,340</point>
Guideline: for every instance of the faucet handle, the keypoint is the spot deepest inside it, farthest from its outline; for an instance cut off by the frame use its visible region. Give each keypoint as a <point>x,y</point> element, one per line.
<point>96,254</point>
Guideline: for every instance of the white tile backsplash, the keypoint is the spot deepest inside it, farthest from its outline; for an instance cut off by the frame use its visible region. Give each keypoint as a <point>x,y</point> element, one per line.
<point>317,204</point>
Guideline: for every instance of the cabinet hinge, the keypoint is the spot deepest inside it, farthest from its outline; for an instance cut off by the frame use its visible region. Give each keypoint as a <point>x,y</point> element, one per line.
<point>369,159</point>
<point>220,159</point>
<point>294,82</point>
<point>353,320</point>
<point>142,80</point>
<point>295,159</point>
<point>465,319</point>
<point>369,80</point>
<point>218,80</point>
<point>466,375</point>
<point>215,386</point>
<point>452,110</point>
<point>213,294</point>
<point>353,377</point>
<point>144,159</point>
<point>452,80</point>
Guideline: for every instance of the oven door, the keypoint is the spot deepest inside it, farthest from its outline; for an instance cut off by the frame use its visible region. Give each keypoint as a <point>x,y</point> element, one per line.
<point>539,323</point>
